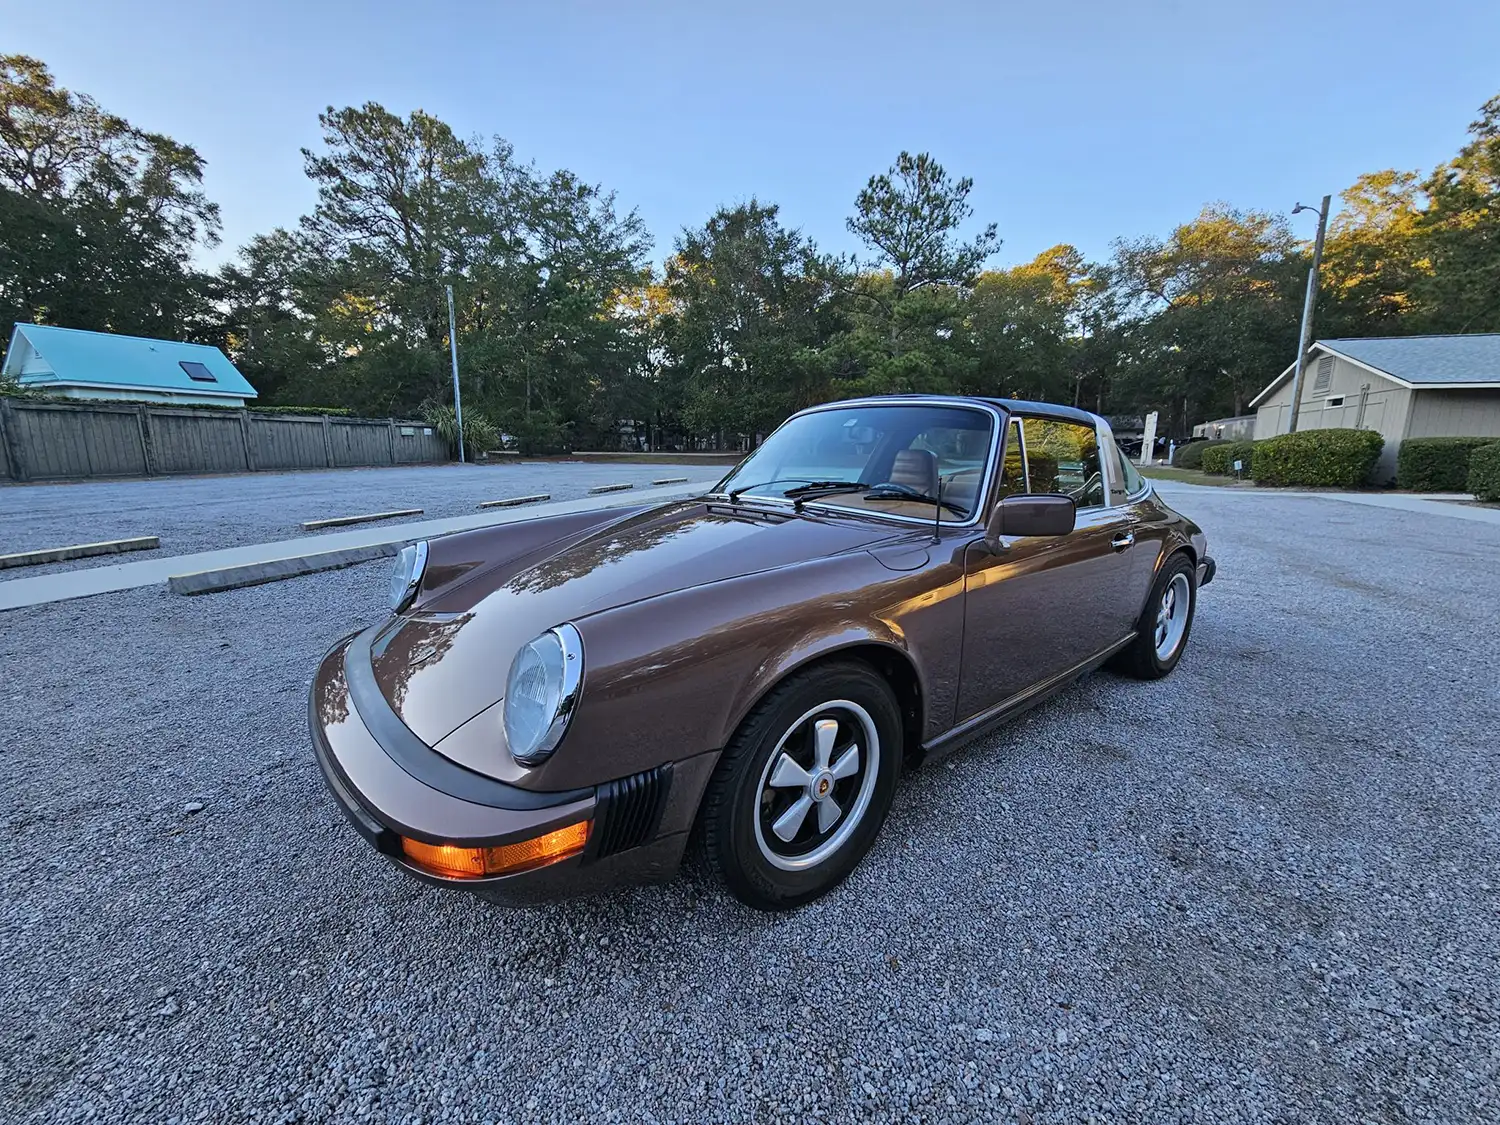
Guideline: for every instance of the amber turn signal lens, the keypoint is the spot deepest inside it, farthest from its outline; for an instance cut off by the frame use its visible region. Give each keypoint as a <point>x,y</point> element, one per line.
<point>453,862</point>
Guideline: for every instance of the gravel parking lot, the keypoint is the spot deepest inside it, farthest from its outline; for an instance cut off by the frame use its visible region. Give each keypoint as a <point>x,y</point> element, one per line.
<point>1263,889</point>
<point>206,513</point>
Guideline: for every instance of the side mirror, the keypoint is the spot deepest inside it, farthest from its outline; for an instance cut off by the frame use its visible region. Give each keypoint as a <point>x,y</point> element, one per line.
<point>1031,514</point>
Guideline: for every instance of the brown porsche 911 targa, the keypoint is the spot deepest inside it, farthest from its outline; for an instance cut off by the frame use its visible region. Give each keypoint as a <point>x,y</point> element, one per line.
<point>567,702</point>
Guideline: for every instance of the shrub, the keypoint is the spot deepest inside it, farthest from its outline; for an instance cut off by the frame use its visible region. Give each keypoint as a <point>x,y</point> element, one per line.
<point>480,434</point>
<point>1190,456</point>
<point>1484,473</point>
<point>331,411</point>
<point>1322,458</point>
<point>1221,458</point>
<point>1436,464</point>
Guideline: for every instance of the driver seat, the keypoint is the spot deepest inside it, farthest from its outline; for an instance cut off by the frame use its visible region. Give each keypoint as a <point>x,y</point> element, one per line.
<point>916,468</point>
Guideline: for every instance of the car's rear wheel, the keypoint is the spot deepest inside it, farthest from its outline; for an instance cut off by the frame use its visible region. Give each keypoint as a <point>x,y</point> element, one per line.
<point>804,786</point>
<point>1161,634</point>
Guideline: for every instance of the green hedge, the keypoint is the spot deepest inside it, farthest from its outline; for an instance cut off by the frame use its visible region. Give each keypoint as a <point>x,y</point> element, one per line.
<point>1321,458</point>
<point>1436,464</point>
<point>1484,473</point>
<point>1221,458</point>
<point>1190,456</point>
<point>331,411</point>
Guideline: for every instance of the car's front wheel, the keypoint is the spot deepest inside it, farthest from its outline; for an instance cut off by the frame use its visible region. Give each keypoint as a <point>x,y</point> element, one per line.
<point>804,786</point>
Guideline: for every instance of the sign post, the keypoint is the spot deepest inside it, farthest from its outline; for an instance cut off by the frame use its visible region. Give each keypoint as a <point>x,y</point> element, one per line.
<point>1148,440</point>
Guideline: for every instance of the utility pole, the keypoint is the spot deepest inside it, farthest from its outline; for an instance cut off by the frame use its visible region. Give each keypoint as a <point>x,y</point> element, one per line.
<point>458,406</point>
<point>1305,339</point>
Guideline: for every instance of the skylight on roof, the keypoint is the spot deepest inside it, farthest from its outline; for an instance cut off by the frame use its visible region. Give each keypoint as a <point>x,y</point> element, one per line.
<point>196,371</point>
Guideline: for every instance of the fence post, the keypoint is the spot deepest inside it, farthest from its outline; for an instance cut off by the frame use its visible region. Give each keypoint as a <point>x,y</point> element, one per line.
<point>245,437</point>
<point>390,438</point>
<point>327,442</point>
<point>143,425</point>
<point>12,447</point>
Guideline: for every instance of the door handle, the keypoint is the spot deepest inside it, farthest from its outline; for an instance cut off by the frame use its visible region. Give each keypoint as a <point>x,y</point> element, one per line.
<point>1120,542</point>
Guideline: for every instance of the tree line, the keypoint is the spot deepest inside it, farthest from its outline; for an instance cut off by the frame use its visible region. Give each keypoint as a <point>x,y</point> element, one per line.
<point>571,336</point>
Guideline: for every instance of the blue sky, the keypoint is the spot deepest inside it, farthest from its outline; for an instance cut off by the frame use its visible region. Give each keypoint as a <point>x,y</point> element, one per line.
<point>1079,121</point>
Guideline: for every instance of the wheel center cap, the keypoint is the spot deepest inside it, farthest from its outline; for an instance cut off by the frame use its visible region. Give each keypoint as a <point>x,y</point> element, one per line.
<point>822,785</point>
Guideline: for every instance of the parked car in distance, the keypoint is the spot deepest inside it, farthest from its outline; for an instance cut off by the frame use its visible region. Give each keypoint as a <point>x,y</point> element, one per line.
<point>564,703</point>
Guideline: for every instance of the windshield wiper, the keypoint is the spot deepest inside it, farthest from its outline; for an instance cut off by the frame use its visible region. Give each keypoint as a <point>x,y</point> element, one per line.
<point>801,490</point>
<point>889,492</point>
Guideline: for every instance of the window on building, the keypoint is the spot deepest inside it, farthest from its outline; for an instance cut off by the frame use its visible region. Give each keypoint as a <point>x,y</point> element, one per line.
<point>196,371</point>
<point>1324,378</point>
<point>1333,401</point>
<point>1064,457</point>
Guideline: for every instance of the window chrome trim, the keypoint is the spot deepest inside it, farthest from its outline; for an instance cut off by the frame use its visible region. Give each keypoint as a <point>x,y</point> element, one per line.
<point>1103,429</point>
<point>998,420</point>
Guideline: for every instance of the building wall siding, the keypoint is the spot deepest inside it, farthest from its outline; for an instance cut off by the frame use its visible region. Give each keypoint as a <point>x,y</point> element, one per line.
<point>1385,409</point>
<point>1455,413</point>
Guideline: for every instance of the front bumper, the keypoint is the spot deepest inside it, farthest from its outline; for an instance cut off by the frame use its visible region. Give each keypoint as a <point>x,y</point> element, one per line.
<point>1207,568</point>
<point>391,785</point>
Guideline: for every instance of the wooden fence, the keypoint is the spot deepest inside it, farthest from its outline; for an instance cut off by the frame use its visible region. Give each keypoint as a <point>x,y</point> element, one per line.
<point>62,441</point>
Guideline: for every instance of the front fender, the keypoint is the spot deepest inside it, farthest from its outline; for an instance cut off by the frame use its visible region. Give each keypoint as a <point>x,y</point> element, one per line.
<point>672,677</point>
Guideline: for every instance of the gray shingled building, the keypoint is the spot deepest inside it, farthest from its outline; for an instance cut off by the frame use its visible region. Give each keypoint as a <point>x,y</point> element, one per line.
<point>1402,386</point>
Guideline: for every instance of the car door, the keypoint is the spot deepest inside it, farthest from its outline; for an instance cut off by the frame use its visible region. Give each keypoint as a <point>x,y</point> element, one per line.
<point>1040,606</point>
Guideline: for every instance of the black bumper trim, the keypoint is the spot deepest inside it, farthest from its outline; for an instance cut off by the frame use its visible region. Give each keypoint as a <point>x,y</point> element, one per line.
<point>1210,568</point>
<point>422,761</point>
<point>364,821</point>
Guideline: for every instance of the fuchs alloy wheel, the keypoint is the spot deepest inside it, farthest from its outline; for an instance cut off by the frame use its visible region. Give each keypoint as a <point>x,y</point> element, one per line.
<point>1162,631</point>
<point>804,786</point>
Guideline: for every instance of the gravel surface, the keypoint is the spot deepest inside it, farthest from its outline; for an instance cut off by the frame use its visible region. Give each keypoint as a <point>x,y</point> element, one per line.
<point>1262,890</point>
<point>206,513</point>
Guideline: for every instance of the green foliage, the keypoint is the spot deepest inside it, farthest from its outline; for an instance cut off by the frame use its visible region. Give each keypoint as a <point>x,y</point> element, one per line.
<point>99,219</point>
<point>1484,473</point>
<point>1437,464</point>
<point>480,434</point>
<point>1191,456</point>
<point>1221,458</point>
<point>1333,458</point>
<point>328,411</point>
<point>567,339</point>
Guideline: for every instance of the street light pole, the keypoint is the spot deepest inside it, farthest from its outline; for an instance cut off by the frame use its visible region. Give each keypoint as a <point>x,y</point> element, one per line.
<point>1304,340</point>
<point>458,406</point>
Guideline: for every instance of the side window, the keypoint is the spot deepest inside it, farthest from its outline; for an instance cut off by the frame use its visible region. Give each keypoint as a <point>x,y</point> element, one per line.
<point>1130,480</point>
<point>1012,468</point>
<point>1064,457</point>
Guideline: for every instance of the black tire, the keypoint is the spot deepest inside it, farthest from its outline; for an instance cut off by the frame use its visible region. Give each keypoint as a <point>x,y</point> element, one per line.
<point>738,800</point>
<point>1141,659</point>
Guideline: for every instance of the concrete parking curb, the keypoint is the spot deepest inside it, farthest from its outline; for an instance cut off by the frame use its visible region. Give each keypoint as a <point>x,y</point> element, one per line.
<point>515,501</point>
<point>369,517</point>
<point>671,480</point>
<point>609,488</point>
<point>285,558</point>
<point>256,574</point>
<point>79,551</point>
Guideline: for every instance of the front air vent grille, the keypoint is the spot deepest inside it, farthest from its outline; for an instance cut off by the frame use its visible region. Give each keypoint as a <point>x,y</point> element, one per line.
<point>749,515</point>
<point>628,811</point>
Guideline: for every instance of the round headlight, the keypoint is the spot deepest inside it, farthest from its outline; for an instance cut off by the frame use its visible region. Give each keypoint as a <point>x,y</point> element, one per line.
<point>407,575</point>
<point>541,694</point>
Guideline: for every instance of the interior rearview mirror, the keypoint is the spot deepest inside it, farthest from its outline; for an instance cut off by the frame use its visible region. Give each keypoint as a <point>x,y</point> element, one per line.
<point>1031,514</point>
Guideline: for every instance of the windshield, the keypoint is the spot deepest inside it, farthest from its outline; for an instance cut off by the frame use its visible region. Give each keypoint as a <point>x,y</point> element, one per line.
<point>878,458</point>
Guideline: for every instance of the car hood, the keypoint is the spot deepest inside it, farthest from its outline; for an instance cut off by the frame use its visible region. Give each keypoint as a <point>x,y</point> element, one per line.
<point>447,662</point>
